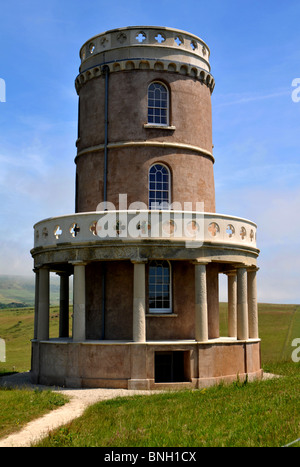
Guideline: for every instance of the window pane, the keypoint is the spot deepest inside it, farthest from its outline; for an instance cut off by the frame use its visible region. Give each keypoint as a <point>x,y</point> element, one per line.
<point>159,286</point>
<point>159,187</point>
<point>158,101</point>
<point>158,177</point>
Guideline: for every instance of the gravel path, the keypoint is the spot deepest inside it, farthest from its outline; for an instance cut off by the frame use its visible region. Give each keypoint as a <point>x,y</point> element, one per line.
<point>80,399</point>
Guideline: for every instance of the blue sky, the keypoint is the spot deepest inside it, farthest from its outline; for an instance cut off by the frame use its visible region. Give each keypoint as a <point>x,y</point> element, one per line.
<point>255,56</point>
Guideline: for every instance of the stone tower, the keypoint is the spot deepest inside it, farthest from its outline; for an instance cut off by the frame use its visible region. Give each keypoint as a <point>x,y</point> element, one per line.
<point>145,246</point>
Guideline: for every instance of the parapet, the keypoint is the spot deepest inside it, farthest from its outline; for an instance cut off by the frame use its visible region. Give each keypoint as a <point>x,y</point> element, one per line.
<point>146,47</point>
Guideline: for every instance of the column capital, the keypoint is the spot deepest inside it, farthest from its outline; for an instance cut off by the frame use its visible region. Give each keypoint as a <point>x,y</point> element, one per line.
<point>232,272</point>
<point>63,273</point>
<point>78,262</point>
<point>139,260</point>
<point>253,269</point>
<point>199,262</point>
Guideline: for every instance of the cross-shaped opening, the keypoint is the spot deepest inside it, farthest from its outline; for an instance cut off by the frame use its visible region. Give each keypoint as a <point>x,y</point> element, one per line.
<point>119,227</point>
<point>160,38</point>
<point>74,230</point>
<point>243,233</point>
<point>178,40</point>
<point>214,229</point>
<point>93,228</point>
<point>143,226</point>
<point>193,228</point>
<point>57,232</point>
<point>141,37</point>
<point>169,227</point>
<point>230,230</point>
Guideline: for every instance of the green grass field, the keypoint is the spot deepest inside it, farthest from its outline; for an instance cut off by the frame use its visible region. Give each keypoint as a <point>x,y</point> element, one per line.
<point>253,414</point>
<point>263,413</point>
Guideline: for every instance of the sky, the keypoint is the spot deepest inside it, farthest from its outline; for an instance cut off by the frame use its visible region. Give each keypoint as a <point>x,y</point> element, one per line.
<point>255,60</point>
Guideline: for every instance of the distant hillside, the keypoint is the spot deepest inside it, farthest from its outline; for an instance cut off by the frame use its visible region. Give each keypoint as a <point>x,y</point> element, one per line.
<point>18,291</point>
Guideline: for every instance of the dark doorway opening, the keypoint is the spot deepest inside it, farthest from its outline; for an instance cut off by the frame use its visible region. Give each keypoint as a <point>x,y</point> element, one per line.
<point>172,366</point>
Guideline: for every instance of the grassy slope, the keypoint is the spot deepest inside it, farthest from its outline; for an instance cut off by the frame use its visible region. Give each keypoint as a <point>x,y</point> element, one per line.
<point>263,414</point>
<point>16,328</point>
<point>257,414</point>
<point>20,289</point>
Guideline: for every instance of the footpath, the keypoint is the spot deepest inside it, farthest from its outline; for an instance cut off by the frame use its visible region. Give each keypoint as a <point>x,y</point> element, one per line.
<point>80,399</point>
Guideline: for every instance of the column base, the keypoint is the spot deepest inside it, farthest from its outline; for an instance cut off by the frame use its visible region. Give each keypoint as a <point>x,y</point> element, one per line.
<point>139,384</point>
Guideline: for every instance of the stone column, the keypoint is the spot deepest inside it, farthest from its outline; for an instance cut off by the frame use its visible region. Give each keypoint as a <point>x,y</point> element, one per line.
<point>36,302</point>
<point>43,305</point>
<point>242,304</point>
<point>252,304</point>
<point>139,302</point>
<point>201,319</point>
<point>64,305</point>
<point>79,302</point>
<point>232,304</point>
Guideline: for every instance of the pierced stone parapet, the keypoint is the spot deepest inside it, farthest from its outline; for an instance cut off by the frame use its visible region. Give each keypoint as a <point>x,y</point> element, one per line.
<point>195,228</point>
<point>145,48</point>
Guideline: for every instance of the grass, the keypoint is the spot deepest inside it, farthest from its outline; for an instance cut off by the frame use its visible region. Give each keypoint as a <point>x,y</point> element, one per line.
<point>263,413</point>
<point>15,405</point>
<point>240,414</point>
<point>278,326</point>
<point>20,406</point>
<point>17,328</point>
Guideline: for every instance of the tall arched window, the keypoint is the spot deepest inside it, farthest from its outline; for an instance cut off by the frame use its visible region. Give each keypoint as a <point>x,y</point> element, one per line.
<point>160,287</point>
<point>159,187</point>
<point>158,104</point>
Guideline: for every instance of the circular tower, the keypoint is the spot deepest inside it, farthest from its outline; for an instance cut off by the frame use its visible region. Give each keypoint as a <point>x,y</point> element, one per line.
<point>145,246</point>
<point>144,97</point>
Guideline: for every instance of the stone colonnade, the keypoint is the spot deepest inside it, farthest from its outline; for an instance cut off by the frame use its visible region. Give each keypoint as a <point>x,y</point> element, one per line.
<point>242,303</point>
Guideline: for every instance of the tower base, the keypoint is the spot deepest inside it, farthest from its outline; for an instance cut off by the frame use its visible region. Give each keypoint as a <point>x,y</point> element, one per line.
<point>144,366</point>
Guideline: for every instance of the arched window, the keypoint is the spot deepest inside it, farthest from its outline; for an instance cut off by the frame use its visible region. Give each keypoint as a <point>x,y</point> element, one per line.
<point>159,187</point>
<point>158,104</point>
<point>160,287</point>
